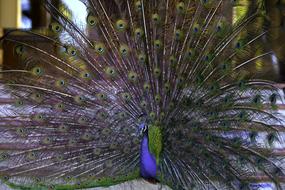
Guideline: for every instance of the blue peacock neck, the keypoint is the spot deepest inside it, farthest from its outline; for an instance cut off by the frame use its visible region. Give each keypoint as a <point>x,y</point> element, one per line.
<point>148,167</point>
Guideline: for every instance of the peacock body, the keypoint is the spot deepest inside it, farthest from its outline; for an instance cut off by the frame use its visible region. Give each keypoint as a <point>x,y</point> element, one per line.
<point>152,89</point>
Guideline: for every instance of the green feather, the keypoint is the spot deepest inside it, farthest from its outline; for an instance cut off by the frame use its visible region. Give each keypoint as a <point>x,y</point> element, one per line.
<point>155,141</point>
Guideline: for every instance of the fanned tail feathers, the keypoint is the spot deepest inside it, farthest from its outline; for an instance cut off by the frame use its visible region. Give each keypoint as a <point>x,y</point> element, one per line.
<point>73,106</point>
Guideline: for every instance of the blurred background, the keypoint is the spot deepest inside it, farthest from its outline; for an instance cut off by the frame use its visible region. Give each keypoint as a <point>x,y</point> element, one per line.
<point>30,14</point>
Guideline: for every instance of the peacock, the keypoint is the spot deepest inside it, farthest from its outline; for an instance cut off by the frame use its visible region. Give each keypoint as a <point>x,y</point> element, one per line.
<point>154,89</point>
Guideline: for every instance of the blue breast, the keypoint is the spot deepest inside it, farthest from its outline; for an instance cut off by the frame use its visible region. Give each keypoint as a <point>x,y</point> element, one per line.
<point>147,160</point>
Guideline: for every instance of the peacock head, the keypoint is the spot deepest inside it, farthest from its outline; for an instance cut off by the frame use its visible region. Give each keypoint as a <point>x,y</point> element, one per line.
<point>143,129</point>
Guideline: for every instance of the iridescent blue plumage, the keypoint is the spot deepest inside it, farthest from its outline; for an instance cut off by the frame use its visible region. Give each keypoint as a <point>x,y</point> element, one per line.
<point>148,167</point>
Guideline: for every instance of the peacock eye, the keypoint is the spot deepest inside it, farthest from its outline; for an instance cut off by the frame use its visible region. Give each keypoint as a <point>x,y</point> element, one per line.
<point>92,20</point>
<point>110,72</point>
<point>124,50</point>
<point>155,18</point>
<point>121,25</point>
<point>157,44</point>
<point>79,99</point>
<point>100,48</point>
<point>37,71</point>
<point>146,86</point>
<point>157,98</point>
<point>180,7</point>
<point>55,27</point>
<point>157,72</point>
<point>178,34</point>
<point>152,115</point>
<point>139,32</point>
<point>143,104</point>
<point>126,96</point>
<point>138,5</point>
<point>19,50</point>
<point>132,76</point>
<point>142,58</point>
<point>167,86</point>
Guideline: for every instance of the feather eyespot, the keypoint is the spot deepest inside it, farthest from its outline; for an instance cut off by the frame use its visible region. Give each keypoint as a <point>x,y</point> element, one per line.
<point>37,97</point>
<point>86,136</point>
<point>79,99</point>
<point>19,103</point>
<point>155,18</point>
<point>190,53</point>
<point>180,7</point>
<point>21,132</point>
<point>173,61</point>
<point>63,128</point>
<point>101,96</point>
<point>60,83</point>
<point>56,27</point>
<point>47,140</point>
<point>37,71</point>
<point>132,76</point>
<point>59,107</point>
<point>196,28</point>
<point>71,51</point>
<point>138,5</point>
<point>97,151</point>
<point>146,86</point>
<point>31,155</point>
<point>167,87</point>
<point>121,25</point>
<point>157,98</point>
<point>19,50</point>
<point>4,156</point>
<point>82,120</point>
<point>139,32</point>
<point>152,115</point>
<point>143,104</point>
<point>72,142</point>
<point>59,157</point>
<point>110,72</point>
<point>102,115</point>
<point>124,50</point>
<point>92,20</point>
<point>179,34</point>
<point>126,96</point>
<point>142,58</point>
<point>106,131</point>
<point>100,48</point>
<point>122,115</point>
<point>85,75</point>
<point>157,44</point>
<point>38,118</point>
<point>157,72</point>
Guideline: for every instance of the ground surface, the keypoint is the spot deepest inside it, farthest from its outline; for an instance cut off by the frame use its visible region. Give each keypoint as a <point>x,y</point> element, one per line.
<point>131,185</point>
